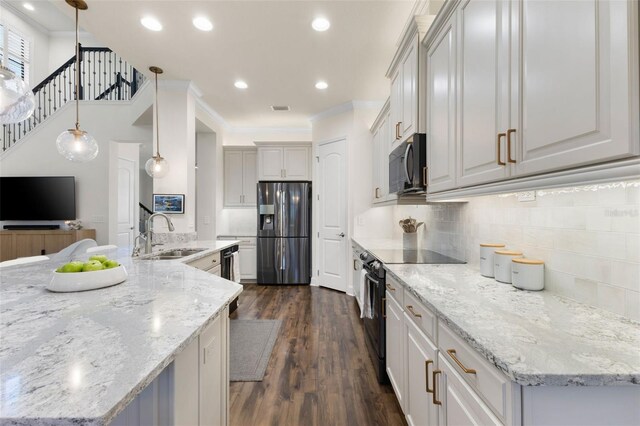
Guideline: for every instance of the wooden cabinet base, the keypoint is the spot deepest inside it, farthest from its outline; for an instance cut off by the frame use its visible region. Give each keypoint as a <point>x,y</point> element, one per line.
<point>14,244</point>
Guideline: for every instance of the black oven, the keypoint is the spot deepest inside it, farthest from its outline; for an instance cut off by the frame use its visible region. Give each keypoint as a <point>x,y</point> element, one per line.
<point>408,166</point>
<point>375,323</point>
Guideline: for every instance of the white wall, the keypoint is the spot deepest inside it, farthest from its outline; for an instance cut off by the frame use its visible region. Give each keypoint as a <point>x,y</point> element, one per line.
<point>206,186</point>
<point>353,124</point>
<point>589,237</point>
<point>39,43</point>
<point>62,47</point>
<point>37,155</point>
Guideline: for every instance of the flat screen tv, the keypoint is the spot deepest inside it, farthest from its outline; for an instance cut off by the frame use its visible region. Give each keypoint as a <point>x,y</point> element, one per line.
<point>38,198</point>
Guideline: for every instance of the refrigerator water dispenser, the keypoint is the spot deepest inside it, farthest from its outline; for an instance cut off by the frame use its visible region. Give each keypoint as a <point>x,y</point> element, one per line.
<point>266,217</point>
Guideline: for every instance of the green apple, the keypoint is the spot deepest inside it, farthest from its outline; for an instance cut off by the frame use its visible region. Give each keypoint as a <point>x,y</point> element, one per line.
<point>71,267</point>
<point>110,264</point>
<point>92,265</point>
<point>99,257</point>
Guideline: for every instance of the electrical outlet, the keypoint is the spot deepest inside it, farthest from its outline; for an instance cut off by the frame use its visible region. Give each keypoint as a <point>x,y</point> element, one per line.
<point>526,196</point>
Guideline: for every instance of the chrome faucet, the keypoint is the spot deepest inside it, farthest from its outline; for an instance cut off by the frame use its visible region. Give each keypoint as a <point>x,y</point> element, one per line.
<point>147,236</point>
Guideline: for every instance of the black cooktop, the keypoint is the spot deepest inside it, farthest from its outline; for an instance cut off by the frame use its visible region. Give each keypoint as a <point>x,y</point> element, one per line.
<point>388,256</point>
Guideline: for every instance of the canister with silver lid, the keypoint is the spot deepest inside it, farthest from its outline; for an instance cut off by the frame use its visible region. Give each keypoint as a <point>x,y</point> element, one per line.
<point>486,258</point>
<point>502,264</point>
<point>527,274</point>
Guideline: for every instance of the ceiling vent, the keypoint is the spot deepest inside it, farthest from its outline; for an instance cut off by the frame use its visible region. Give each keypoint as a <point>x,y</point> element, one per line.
<point>280,108</point>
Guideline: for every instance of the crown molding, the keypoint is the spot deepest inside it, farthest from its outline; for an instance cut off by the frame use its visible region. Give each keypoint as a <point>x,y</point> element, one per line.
<point>270,130</point>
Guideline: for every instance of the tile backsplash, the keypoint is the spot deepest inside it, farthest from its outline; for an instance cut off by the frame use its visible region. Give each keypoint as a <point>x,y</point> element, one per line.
<point>589,237</point>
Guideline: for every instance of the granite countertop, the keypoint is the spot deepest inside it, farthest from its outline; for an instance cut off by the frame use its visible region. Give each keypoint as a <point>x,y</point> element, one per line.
<point>535,338</point>
<point>71,358</point>
<point>209,246</point>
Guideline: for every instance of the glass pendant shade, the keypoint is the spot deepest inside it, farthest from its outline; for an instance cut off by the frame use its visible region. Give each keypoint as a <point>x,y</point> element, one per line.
<point>16,99</point>
<point>157,166</point>
<point>77,145</point>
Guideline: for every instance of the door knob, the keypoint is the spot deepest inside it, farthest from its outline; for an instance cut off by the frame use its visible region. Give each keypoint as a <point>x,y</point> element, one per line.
<point>341,234</point>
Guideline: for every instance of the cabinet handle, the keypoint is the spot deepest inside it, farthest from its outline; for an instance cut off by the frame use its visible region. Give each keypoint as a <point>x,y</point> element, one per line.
<point>355,268</point>
<point>410,308</point>
<point>500,162</point>
<point>426,375</point>
<point>424,176</point>
<point>434,377</point>
<point>509,159</point>
<point>384,307</point>
<point>452,354</point>
<point>377,191</point>
<point>390,287</point>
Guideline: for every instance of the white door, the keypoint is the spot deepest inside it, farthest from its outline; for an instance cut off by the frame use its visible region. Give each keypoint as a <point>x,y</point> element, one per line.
<point>441,111</point>
<point>409,91</point>
<point>233,178</point>
<point>332,177</point>
<point>421,361</point>
<point>270,164</point>
<point>483,101</point>
<point>395,346</point>
<point>126,202</point>
<point>249,179</point>
<point>572,83</point>
<point>296,163</point>
<point>396,105</point>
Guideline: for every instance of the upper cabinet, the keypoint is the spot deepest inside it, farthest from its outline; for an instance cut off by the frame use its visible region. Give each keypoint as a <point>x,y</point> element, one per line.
<point>529,96</point>
<point>240,177</point>
<point>284,161</point>
<point>380,149</point>
<point>404,74</point>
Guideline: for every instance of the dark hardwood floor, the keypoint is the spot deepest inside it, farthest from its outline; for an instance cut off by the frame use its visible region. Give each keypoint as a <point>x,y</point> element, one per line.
<point>320,372</point>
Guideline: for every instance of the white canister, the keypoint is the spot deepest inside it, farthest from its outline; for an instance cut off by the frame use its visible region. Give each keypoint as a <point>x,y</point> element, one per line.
<point>502,264</point>
<point>527,274</point>
<point>486,258</point>
<point>410,241</point>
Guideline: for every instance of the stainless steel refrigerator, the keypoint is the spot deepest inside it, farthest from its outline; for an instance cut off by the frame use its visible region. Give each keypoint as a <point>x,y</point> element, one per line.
<point>284,232</point>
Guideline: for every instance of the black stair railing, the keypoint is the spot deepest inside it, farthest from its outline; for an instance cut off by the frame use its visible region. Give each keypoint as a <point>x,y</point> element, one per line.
<point>104,75</point>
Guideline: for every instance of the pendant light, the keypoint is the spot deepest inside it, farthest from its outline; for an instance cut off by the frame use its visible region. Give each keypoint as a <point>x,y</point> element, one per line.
<point>76,144</point>
<point>17,102</point>
<point>157,166</point>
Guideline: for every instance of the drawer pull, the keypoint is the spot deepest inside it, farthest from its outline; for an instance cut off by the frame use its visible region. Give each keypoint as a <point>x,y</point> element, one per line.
<point>499,159</point>
<point>414,313</point>
<point>426,375</point>
<point>390,288</point>
<point>452,354</point>
<point>435,387</point>
<point>509,159</point>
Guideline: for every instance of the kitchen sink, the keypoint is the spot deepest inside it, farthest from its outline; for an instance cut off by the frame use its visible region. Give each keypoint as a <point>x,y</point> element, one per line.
<point>175,254</point>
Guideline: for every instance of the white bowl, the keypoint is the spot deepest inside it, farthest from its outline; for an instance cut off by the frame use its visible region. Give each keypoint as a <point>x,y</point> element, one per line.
<point>63,282</point>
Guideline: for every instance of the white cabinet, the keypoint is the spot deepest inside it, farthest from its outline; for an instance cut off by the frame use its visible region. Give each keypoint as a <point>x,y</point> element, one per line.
<point>240,177</point>
<point>278,162</point>
<point>421,362</point>
<point>395,348</point>
<point>381,146</point>
<point>248,251</point>
<point>214,381</point>
<point>512,93</point>
<point>356,274</point>
<point>441,111</point>
<point>460,405</point>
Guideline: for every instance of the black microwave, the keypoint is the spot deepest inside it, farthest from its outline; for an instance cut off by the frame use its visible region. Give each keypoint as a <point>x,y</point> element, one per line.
<point>408,166</point>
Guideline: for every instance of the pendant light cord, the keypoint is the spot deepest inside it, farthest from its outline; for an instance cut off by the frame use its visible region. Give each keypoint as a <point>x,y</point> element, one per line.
<point>157,125</point>
<point>77,74</point>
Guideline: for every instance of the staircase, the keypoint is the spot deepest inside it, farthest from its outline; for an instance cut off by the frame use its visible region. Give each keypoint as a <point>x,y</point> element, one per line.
<point>104,76</point>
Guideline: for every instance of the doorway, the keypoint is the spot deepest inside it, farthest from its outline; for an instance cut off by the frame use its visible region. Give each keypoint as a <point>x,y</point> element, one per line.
<point>332,217</point>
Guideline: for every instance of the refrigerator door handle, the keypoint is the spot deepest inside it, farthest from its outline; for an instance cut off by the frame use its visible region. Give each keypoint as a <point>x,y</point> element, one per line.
<point>283,258</point>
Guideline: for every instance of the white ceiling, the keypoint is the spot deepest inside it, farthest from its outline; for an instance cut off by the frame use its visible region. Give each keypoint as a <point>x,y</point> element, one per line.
<point>46,16</point>
<point>269,44</point>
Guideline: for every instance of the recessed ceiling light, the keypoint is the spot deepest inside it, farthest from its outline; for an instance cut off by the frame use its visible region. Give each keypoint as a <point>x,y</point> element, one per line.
<point>202,23</point>
<point>321,85</point>
<point>29,6</point>
<point>320,24</point>
<point>151,23</point>
<point>241,84</point>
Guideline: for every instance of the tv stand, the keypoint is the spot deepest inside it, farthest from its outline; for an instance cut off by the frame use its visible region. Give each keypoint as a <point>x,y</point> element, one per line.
<point>30,227</point>
<point>30,242</point>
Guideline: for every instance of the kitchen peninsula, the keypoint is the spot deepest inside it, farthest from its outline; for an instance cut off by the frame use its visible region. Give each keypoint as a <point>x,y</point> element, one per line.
<point>83,358</point>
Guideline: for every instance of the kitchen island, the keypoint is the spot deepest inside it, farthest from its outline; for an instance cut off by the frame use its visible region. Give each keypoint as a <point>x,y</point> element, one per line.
<point>82,358</point>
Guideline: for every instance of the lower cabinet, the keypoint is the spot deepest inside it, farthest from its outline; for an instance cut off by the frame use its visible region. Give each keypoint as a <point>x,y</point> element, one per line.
<point>420,408</point>
<point>248,259</point>
<point>14,244</point>
<point>459,404</point>
<point>192,390</point>
<point>395,348</point>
